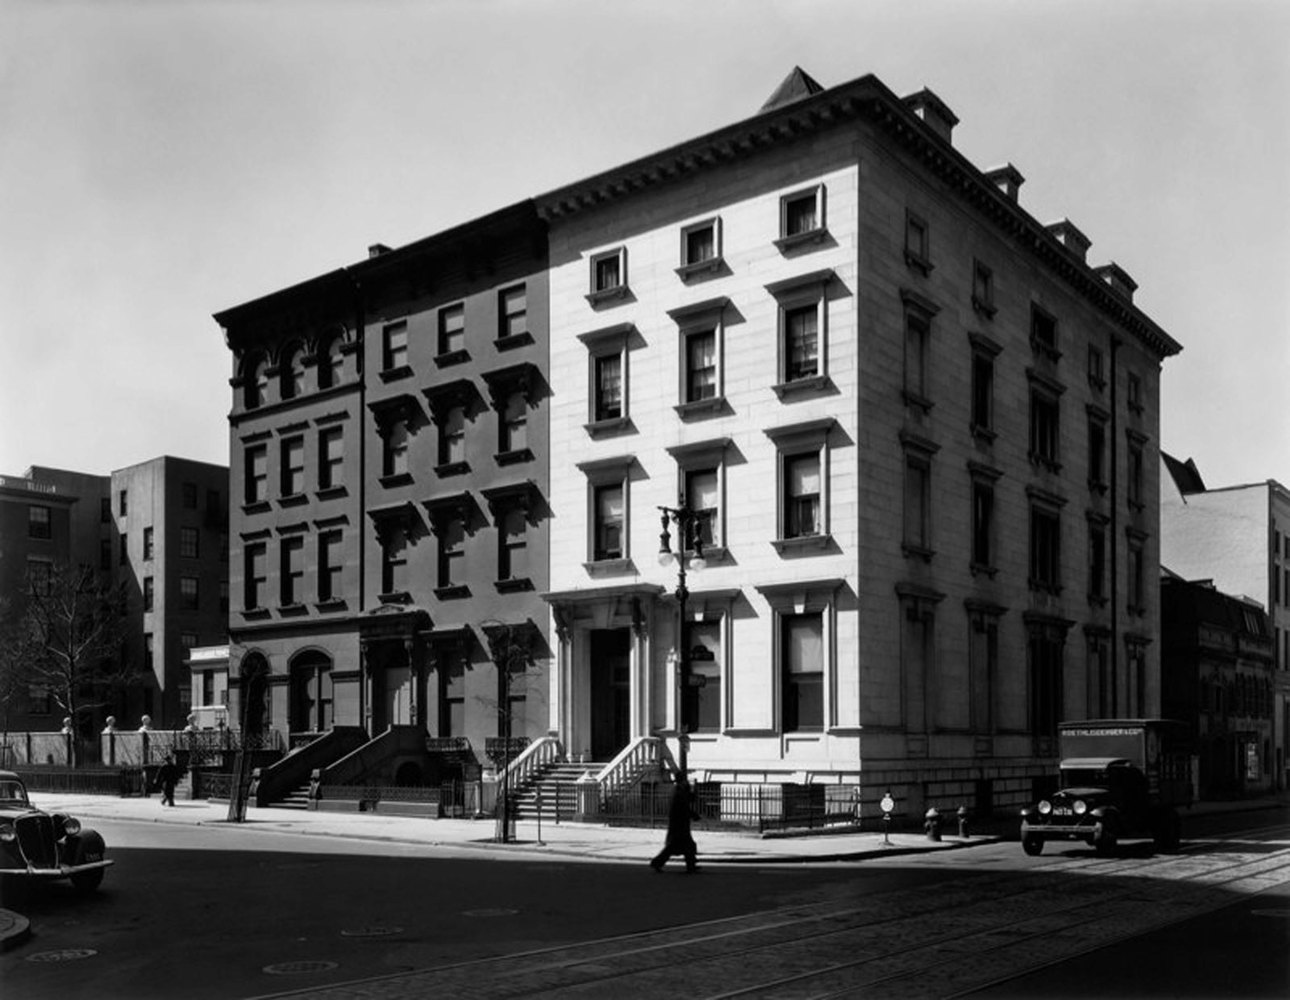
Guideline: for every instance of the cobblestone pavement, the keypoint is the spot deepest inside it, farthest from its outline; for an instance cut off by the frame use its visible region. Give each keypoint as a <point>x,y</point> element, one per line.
<point>938,941</point>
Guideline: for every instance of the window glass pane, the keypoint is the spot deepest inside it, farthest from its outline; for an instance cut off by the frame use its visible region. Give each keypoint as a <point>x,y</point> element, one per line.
<point>700,245</point>
<point>609,387</point>
<point>802,332</point>
<point>800,215</point>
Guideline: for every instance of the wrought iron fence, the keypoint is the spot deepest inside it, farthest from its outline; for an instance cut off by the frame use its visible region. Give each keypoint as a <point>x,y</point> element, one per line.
<point>85,780</point>
<point>723,805</point>
<point>453,798</point>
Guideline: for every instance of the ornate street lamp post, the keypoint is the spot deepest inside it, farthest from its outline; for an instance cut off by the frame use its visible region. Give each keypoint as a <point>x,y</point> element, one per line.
<point>689,525</point>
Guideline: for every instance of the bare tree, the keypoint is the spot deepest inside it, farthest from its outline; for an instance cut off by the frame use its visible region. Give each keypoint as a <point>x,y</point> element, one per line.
<point>511,649</point>
<point>69,638</point>
<point>13,665</point>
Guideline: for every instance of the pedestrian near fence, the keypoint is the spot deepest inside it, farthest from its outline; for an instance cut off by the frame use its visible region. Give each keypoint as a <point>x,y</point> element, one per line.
<point>167,779</point>
<point>679,839</point>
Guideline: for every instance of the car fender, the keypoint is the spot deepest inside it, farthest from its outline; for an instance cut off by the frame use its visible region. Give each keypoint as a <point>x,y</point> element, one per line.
<point>87,847</point>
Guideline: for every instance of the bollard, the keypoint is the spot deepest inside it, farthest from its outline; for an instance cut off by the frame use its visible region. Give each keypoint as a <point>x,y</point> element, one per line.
<point>963,822</point>
<point>932,824</point>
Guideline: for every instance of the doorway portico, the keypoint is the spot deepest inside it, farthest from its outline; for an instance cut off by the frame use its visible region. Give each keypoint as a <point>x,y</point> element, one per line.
<point>604,692</point>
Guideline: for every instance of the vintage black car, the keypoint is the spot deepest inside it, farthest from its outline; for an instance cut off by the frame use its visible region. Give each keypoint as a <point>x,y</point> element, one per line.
<point>36,846</point>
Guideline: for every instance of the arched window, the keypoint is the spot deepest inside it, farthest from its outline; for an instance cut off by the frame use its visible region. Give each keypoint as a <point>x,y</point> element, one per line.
<point>257,381</point>
<point>331,364</point>
<point>293,372</point>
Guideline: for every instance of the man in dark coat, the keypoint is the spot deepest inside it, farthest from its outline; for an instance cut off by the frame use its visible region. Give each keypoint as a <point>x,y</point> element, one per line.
<point>168,778</point>
<point>679,840</point>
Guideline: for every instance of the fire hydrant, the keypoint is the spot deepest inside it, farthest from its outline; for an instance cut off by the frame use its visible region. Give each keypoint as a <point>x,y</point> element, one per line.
<point>963,822</point>
<point>932,824</point>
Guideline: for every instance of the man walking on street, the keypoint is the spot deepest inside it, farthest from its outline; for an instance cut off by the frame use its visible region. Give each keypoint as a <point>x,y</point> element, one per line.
<point>679,840</point>
<point>168,778</point>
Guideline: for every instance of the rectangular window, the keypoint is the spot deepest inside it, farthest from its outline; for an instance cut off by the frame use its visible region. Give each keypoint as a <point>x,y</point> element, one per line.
<point>801,213</point>
<point>609,387</point>
<point>257,474</point>
<point>608,271</point>
<point>982,289</point>
<point>331,458</point>
<point>293,466</point>
<point>105,553</point>
<point>452,329</point>
<point>38,522</point>
<point>513,426</point>
<point>801,342</point>
<point>982,524</point>
<point>699,243</point>
<point>147,593</point>
<point>982,392</point>
<point>394,346</point>
<point>329,566</point>
<point>513,311</point>
<point>701,694</point>
<point>1043,330</point>
<point>609,514</point>
<point>214,508</point>
<point>1136,466</point>
<point>452,552</point>
<point>188,543</point>
<point>452,437</point>
<point>123,556</point>
<point>39,700</point>
<point>512,546</point>
<point>1096,368</point>
<point>1044,434</point>
<point>147,651</point>
<point>452,696</point>
<point>123,502</point>
<point>1096,562</point>
<point>1134,393</point>
<point>395,458</point>
<point>291,583</point>
<point>256,577</point>
<point>1045,653</point>
<point>394,561</point>
<point>801,495</point>
<point>147,544</point>
<point>190,496</point>
<point>1096,453</point>
<point>917,502</point>
<point>703,496</point>
<point>917,242</point>
<point>1045,549</point>
<point>105,510</point>
<point>802,671</point>
<point>40,576</point>
<point>917,334</point>
<point>188,598</point>
<point>700,365</point>
<point>1137,596</point>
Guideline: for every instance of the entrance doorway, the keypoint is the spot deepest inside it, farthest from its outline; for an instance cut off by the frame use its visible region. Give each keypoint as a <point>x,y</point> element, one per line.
<point>610,663</point>
<point>311,694</point>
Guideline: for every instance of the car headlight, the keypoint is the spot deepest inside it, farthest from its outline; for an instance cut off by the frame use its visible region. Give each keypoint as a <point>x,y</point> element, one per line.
<point>8,834</point>
<point>71,826</point>
<point>1045,807</point>
<point>1080,807</point>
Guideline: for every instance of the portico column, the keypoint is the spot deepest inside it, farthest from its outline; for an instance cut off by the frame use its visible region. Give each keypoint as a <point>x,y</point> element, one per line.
<point>561,681</point>
<point>640,670</point>
<point>414,679</point>
<point>364,691</point>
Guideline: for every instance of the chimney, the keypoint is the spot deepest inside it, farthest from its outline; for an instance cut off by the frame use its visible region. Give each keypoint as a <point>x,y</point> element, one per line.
<point>376,249</point>
<point>1115,276</point>
<point>1070,237</point>
<point>1007,179</point>
<point>933,111</point>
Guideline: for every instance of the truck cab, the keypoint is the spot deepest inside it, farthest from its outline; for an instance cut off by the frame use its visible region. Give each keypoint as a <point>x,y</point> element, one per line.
<point>1117,778</point>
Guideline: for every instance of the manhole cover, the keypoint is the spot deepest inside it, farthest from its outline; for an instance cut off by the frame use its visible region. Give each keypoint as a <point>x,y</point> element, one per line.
<point>297,968</point>
<point>490,912</point>
<point>62,955</point>
<point>371,932</point>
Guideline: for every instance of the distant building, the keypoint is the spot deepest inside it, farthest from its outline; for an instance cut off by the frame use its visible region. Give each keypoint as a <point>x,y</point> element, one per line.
<point>1218,675</point>
<point>1237,537</point>
<point>160,529</point>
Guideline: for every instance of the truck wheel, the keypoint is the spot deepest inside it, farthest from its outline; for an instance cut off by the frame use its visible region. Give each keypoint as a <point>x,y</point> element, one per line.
<point>1105,838</point>
<point>1034,846</point>
<point>87,882</point>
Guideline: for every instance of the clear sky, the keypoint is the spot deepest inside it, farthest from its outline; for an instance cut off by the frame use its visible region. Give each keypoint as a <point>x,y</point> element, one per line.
<point>162,160</point>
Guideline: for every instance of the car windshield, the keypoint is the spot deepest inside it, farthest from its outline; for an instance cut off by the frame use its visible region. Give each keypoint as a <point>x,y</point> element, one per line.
<point>1084,777</point>
<point>12,791</point>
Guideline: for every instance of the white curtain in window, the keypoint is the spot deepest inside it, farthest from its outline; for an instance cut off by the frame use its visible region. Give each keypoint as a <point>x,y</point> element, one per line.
<point>805,644</point>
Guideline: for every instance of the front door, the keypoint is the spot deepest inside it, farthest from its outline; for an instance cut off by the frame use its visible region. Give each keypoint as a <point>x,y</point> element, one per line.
<point>610,652</point>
